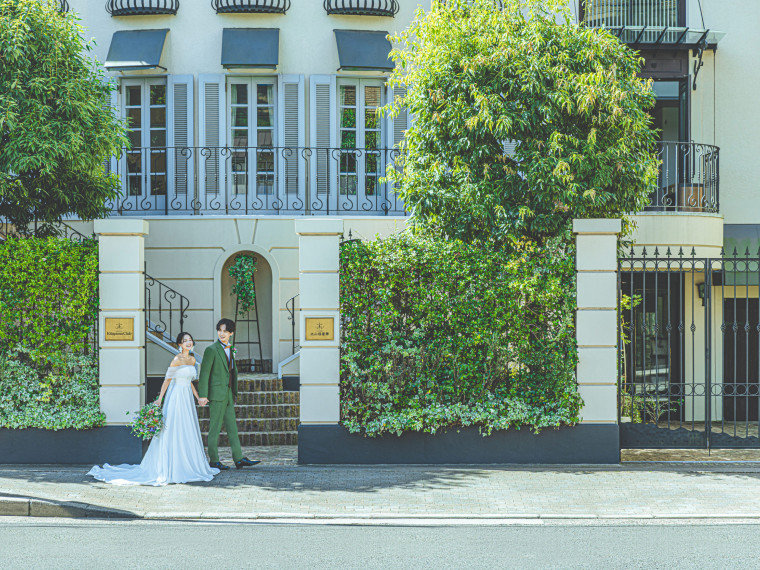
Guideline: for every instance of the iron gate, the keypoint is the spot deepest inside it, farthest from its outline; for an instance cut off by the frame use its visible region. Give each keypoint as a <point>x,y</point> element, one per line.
<point>688,350</point>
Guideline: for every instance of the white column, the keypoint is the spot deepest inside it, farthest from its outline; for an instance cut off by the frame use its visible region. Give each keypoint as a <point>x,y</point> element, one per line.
<point>122,297</point>
<point>597,318</point>
<point>319,290</point>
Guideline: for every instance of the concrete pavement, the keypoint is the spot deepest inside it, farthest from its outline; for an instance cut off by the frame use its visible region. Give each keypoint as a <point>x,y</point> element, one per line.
<point>280,489</point>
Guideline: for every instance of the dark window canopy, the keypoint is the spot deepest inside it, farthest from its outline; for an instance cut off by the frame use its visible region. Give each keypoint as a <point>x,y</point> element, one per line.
<point>363,51</point>
<point>667,37</point>
<point>251,6</point>
<point>250,47</point>
<point>136,49</point>
<point>362,7</point>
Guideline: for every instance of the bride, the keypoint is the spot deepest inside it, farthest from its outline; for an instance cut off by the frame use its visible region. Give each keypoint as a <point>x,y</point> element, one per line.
<point>176,454</point>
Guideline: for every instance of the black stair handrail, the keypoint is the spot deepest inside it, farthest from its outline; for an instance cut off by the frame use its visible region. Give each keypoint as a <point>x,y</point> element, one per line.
<point>161,304</point>
<point>290,306</point>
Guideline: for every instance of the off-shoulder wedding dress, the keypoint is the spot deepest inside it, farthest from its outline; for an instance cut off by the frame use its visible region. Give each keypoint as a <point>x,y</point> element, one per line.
<point>176,454</point>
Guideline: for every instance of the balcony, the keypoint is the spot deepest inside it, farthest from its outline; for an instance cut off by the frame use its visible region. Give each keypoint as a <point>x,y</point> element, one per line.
<point>256,180</point>
<point>689,178</point>
<point>141,7</point>
<point>362,7</point>
<point>250,6</point>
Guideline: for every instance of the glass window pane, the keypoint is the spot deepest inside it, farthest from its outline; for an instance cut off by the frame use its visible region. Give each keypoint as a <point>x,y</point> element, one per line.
<point>240,137</point>
<point>265,138</point>
<point>239,162</point>
<point>134,162</point>
<point>158,161</point>
<point>158,94</point>
<point>134,95</point>
<point>347,139</point>
<point>372,163</point>
<point>371,139</point>
<point>370,119</point>
<point>265,184</point>
<point>134,118</point>
<point>372,96</point>
<point>348,185</point>
<point>348,118</point>
<point>347,95</point>
<point>158,117</point>
<point>370,185</point>
<point>239,94</point>
<point>134,184</point>
<point>264,117</point>
<point>240,116</point>
<point>265,162</point>
<point>135,138</point>
<point>158,185</point>
<point>348,162</point>
<point>158,138</point>
<point>264,94</point>
<point>239,183</point>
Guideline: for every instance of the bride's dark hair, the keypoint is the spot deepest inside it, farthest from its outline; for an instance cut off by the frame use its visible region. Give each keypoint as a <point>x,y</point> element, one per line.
<point>181,337</point>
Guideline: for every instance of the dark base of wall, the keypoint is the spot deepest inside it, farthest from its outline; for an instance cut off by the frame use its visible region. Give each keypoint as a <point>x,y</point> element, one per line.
<point>588,444</point>
<point>153,387</point>
<point>291,383</point>
<point>110,444</point>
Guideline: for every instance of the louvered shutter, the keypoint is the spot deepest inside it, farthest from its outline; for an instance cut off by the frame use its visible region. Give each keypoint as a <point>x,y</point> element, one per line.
<point>180,140</point>
<point>111,103</point>
<point>211,133</point>
<point>291,187</point>
<point>324,166</point>
<point>397,127</point>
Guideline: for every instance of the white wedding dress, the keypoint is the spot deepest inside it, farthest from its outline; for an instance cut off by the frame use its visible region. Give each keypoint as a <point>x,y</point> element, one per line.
<point>176,454</point>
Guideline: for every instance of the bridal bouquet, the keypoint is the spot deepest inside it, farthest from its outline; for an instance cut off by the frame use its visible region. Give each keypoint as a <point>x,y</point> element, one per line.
<point>148,421</point>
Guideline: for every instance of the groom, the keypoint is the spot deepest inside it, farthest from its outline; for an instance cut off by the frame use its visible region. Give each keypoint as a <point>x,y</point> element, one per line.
<point>217,385</point>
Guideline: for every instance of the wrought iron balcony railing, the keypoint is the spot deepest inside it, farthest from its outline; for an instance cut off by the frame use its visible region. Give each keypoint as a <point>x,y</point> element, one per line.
<point>362,7</point>
<point>689,178</point>
<point>250,6</point>
<point>251,180</point>
<point>617,13</point>
<point>141,7</point>
<point>63,7</point>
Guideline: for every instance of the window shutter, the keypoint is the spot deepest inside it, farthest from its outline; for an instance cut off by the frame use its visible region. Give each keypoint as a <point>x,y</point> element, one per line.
<point>292,137</point>
<point>111,103</point>
<point>324,166</point>
<point>211,132</point>
<point>180,138</point>
<point>401,122</point>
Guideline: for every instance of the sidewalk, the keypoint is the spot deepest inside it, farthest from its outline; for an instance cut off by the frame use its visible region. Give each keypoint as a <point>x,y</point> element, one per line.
<point>278,488</point>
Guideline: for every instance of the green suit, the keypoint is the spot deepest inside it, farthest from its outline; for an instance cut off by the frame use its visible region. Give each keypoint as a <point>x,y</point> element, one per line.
<point>220,387</point>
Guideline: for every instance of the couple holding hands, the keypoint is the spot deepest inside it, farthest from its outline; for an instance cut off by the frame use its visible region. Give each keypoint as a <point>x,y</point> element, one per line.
<point>176,454</point>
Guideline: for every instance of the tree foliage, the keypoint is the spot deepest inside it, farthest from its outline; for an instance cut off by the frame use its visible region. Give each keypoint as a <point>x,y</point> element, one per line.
<point>55,130</point>
<point>524,120</point>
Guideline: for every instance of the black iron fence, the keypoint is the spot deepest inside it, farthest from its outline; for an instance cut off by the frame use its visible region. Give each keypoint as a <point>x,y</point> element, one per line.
<point>689,179</point>
<point>250,6</point>
<point>362,7</point>
<point>141,7</point>
<point>689,350</point>
<point>264,180</point>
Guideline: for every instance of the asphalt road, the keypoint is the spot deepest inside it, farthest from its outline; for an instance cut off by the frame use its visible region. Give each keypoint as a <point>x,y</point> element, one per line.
<point>81,544</point>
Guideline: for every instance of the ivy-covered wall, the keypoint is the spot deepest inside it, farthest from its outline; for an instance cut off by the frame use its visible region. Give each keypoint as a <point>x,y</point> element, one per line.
<point>48,311</point>
<point>439,334</point>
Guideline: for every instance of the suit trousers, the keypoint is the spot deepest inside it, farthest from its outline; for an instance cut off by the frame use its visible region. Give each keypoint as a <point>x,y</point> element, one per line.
<point>223,412</point>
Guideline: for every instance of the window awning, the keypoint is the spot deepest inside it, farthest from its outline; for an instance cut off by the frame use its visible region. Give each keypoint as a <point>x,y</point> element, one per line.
<point>363,51</point>
<point>669,37</point>
<point>250,47</point>
<point>136,49</point>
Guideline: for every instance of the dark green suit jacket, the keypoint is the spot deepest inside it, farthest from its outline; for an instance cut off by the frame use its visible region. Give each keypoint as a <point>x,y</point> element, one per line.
<point>215,374</point>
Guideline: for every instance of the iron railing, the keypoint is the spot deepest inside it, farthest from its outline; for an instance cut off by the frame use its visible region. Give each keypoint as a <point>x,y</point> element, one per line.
<point>63,6</point>
<point>250,6</point>
<point>632,13</point>
<point>165,310</point>
<point>689,179</point>
<point>362,7</point>
<point>290,306</point>
<point>141,7</point>
<point>266,180</point>
<point>689,349</point>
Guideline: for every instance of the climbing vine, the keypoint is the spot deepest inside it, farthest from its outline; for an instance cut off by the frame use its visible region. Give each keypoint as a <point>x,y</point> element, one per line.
<point>242,272</point>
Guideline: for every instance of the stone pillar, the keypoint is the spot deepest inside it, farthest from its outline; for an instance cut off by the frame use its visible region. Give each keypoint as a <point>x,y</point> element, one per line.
<point>122,302</point>
<point>597,318</point>
<point>319,289</point>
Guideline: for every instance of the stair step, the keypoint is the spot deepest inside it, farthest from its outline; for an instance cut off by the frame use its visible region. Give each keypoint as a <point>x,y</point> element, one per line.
<point>261,425</point>
<point>270,438</point>
<point>267,411</point>
<point>264,398</point>
<point>261,383</point>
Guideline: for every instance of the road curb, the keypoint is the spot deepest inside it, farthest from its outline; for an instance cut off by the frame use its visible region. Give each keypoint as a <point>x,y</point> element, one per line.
<point>32,507</point>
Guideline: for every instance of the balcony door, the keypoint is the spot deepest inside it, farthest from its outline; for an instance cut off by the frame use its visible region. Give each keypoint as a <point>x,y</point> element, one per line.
<point>144,106</point>
<point>671,121</point>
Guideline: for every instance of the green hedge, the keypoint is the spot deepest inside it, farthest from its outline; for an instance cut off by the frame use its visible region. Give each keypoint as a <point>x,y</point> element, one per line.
<point>439,334</point>
<point>48,309</point>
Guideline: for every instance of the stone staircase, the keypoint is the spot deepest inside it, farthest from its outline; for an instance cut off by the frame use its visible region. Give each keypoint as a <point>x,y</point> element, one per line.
<point>266,414</point>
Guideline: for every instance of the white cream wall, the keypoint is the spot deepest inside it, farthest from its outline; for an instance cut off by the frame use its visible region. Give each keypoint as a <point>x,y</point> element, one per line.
<point>194,44</point>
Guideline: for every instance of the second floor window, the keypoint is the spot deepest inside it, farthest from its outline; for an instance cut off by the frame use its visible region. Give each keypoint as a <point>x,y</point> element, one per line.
<point>145,112</point>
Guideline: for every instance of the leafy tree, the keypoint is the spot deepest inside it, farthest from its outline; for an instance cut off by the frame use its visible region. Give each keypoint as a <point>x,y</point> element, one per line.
<point>55,131</point>
<point>484,80</point>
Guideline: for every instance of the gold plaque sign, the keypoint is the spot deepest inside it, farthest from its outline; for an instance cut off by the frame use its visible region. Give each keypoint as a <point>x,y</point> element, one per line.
<point>320,328</point>
<point>120,328</point>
